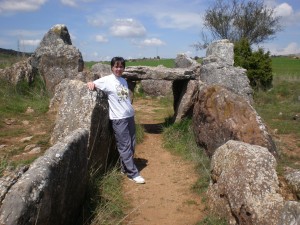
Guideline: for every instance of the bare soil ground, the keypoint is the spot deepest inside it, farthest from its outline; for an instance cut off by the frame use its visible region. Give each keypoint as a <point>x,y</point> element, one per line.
<point>167,197</point>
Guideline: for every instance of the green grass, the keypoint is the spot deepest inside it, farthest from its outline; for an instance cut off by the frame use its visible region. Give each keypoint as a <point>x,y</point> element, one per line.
<point>285,66</point>
<point>16,99</point>
<point>279,106</point>
<point>212,220</point>
<point>140,133</point>
<point>105,203</point>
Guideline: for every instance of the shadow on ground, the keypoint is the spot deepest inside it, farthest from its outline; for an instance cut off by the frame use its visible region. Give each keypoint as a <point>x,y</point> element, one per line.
<point>140,163</point>
<point>153,128</point>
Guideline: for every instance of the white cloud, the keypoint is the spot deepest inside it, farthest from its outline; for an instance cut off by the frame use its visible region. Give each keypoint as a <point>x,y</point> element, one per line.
<point>71,3</point>
<point>291,48</point>
<point>25,33</point>
<point>287,14</point>
<point>29,42</point>
<point>179,20</point>
<point>19,6</point>
<point>101,38</point>
<point>283,10</point>
<point>96,21</point>
<point>152,42</point>
<point>127,28</point>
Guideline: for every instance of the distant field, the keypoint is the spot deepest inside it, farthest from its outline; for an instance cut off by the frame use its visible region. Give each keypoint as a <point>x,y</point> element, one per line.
<point>285,66</point>
<point>169,63</point>
<point>282,66</point>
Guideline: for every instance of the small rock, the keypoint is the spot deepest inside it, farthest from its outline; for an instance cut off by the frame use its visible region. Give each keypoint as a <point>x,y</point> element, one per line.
<point>2,146</point>
<point>26,139</point>
<point>29,110</point>
<point>25,122</point>
<point>35,151</point>
<point>9,121</point>
<point>29,147</point>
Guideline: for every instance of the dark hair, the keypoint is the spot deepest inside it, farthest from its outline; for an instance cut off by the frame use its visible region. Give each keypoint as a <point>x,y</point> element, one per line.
<point>117,59</point>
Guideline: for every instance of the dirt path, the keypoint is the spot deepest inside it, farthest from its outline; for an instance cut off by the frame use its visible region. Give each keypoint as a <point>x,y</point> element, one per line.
<point>166,198</point>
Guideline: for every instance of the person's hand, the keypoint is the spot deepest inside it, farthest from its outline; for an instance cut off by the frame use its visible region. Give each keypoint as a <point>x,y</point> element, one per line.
<point>91,86</point>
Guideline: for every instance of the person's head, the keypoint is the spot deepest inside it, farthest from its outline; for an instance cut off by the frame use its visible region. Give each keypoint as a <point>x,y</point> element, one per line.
<point>117,65</point>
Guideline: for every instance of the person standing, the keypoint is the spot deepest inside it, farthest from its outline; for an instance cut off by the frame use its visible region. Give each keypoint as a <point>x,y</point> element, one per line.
<point>121,113</point>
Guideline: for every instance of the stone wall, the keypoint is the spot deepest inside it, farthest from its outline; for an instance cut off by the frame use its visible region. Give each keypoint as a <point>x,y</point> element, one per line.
<point>52,190</point>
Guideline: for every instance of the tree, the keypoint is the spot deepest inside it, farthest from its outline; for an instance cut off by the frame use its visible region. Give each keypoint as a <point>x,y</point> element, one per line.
<point>234,20</point>
<point>257,64</point>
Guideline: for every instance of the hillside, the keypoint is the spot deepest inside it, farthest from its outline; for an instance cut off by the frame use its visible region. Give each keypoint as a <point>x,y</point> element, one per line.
<point>10,52</point>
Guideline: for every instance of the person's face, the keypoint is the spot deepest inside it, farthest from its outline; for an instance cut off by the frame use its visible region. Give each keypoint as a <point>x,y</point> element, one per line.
<point>118,69</point>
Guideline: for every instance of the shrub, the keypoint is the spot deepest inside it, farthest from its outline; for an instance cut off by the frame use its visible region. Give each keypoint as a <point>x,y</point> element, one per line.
<point>257,64</point>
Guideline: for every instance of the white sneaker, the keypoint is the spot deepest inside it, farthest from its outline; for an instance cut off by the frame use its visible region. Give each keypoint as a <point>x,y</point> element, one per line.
<point>138,180</point>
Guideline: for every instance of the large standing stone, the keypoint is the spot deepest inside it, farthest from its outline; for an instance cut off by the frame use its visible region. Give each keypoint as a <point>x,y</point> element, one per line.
<point>77,107</point>
<point>217,68</point>
<point>220,115</point>
<point>56,58</point>
<point>223,50</point>
<point>244,184</point>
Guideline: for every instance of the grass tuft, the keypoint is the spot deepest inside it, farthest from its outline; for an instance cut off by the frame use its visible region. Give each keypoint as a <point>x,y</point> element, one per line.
<point>105,203</point>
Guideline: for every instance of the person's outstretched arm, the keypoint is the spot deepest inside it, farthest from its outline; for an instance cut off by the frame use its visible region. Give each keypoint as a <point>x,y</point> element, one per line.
<point>91,86</point>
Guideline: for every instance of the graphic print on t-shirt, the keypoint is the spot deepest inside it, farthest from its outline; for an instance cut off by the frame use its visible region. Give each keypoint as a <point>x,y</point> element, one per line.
<point>122,92</point>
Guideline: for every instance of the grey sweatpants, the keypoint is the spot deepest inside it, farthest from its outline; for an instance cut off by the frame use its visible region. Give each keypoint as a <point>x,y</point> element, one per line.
<point>124,130</point>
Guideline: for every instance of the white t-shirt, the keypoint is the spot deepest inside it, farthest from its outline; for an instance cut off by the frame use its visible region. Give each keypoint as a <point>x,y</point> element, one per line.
<point>118,96</point>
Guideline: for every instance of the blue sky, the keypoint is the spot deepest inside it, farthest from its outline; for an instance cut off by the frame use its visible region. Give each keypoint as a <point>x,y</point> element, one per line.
<point>101,29</point>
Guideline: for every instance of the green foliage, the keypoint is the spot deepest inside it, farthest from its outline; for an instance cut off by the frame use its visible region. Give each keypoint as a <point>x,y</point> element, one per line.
<point>260,70</point>
<point>257,64</point>
<point>242,53</point>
